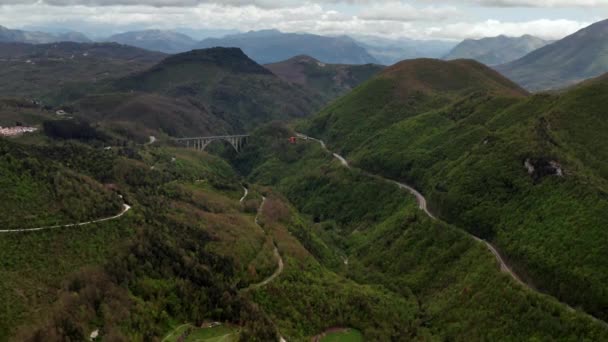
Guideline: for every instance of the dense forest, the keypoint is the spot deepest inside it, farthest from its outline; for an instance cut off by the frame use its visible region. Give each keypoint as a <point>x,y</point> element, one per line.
<point>108,228</point>
<point>386,241</point>
<point>527,173</point>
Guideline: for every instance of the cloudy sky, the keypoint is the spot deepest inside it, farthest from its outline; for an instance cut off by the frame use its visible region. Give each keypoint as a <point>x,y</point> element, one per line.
<point>419,19</point>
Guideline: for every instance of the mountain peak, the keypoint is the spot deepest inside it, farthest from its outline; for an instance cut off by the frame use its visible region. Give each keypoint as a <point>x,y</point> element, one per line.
<point>496,50</point>
<point>261,33</point>
<point>598,29</point>
<point>304,59</point>
<point>229,58</point>
<point>273,46</point>
<point>155,40</point>
<point>577,57</point>
<point>464,75</point>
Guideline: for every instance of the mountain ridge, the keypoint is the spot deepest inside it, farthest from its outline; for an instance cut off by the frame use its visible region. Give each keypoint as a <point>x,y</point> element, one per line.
<point>525,172</point>
<point>39,70</point>
<point>573,59</point>
<point>271,46</point>
<point>155,40</point>
<point>215,91</point>
<point>496,50</point>
<point>38,37</point>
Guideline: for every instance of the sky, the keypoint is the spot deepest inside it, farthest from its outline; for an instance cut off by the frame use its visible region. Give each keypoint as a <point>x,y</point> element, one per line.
<point>415,19</point>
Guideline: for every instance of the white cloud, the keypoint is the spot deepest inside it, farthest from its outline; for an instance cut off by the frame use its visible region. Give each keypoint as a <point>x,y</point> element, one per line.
<point>398,11</point>
<point>392,19</point>
<point>158,3</point>
<point>298,3</point>
<point>542,3</point>
<point>544,28</point>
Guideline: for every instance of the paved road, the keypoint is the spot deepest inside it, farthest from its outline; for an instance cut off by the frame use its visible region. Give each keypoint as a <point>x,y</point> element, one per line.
<point>503,265</point>
<point>277,256</point>
<point>276,273</point>
<point>422,204</point>
<point>419,198</point>
<point>244,195</point>
<point>125,208</point>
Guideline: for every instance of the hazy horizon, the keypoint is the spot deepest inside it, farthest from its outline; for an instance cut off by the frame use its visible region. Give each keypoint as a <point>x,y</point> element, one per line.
<point>414,19</point>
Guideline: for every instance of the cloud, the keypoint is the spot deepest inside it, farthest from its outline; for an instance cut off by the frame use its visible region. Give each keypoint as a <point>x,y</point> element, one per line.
<point>270,4</point>
<point>543,28</point>
<point>523,3</point>
<point>157,3</point>
<point>398,11</point>
<point>389,19</point>
<point>542,3</point>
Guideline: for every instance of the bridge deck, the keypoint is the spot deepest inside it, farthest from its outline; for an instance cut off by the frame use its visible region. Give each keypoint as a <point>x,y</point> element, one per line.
<point>212,137</point>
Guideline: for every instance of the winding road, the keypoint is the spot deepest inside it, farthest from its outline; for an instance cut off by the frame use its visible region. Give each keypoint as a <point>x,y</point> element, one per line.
<point>422,204</point>
<point>125,208</point>
<point>246,192</point>
<point>277,256</point>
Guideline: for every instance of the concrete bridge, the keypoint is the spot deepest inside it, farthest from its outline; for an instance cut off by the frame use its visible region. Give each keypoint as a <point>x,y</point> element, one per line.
<point>200,143</point>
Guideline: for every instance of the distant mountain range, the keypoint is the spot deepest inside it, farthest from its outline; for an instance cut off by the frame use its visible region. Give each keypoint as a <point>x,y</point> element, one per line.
<point>328,80</point>
<point>575,58</point>
<point>391,51</point>
<point>155,40</point>
<point>36,70</point>
<point>496,50</point>
<point>269,46</point>
<point>533,63</point>
<point>36,37</point>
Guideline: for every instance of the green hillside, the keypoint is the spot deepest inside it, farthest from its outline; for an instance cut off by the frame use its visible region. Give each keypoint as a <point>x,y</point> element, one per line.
<point>382,239</point>
<point>527,173</point>
<point>212,91</point>
<point>404,90</point>
<point>38,71</point>
<point>144,240</point>
<point>37,192</point>
<point>142,114</point>
<point>18,110</point>
<point>132,277</point>
<point>228,83</point>
<point>185,253</point>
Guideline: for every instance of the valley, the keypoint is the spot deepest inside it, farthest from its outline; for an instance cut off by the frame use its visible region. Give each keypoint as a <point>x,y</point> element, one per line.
<point>422,205</point>
<point>199,195</point>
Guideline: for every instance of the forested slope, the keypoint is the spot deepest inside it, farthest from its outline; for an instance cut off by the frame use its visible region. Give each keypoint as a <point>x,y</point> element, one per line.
<point>384,240</point>
<point>527,173</point>
<point>37,192</point>
<point>213,91</point>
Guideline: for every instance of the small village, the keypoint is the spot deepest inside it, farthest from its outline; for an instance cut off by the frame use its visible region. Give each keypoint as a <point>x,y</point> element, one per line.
<point>16,130</point>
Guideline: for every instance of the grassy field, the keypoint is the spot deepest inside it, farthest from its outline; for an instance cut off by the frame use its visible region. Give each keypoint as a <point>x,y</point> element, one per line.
<point>349,335</point>
<point>221,333</point>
